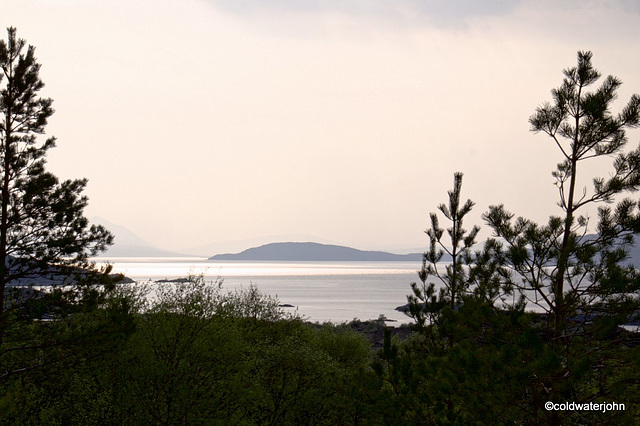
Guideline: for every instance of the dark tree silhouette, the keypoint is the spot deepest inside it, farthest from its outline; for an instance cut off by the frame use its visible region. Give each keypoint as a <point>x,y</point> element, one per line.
<point>576,271</point>
<point>426,303</point>
<point>42,228</point>
<point>567,268</point>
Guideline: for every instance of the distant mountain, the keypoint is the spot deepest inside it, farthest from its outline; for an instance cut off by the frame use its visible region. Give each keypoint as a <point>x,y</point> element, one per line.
<point>634,255</point>
<point>237,246</point>
<point>128,244</point>
<point>314,252</point>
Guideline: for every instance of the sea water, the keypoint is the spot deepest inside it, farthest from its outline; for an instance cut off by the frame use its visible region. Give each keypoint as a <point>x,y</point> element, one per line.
<point>319,291</point>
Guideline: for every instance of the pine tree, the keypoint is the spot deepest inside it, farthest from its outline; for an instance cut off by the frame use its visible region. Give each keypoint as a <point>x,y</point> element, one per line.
<point>426,304</point>
<point>567,268</point>
<point>575,271</point>
<point>42,228</point>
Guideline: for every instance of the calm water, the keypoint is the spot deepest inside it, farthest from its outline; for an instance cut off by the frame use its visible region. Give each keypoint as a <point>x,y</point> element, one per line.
<point>321,291</point>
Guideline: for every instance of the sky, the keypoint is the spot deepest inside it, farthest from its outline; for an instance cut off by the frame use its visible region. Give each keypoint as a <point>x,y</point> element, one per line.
<point>203,121</point>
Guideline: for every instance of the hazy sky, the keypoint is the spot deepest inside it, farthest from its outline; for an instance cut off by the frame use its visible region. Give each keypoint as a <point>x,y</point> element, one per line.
<point>199,121</point>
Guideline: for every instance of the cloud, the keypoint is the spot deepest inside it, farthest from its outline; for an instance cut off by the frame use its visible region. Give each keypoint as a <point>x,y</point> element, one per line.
<point>416,12</point>
<point>447,14</point>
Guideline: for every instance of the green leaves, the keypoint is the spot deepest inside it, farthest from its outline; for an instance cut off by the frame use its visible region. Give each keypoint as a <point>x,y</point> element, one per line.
<point>44,239</point>
<point>572,270</point>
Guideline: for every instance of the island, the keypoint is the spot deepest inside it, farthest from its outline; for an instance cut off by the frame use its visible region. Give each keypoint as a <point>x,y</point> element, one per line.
<point>309,251</point>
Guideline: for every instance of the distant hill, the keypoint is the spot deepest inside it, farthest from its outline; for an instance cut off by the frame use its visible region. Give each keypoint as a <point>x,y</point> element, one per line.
<point>128,244</point>
<point>634,255</point>
<point>314,252</point>
<point>236,246</point>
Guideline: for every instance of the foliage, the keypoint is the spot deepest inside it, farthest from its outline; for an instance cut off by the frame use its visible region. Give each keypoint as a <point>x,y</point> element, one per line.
<point>58,385</point>
<point>85,352</point>
<point>43,232</point>
<point>44,241</point>
<point>580,279</point>
<point>474,336</point>
<point>44,237</point>
<point>425,305</point>
<point>250,304</point>
<point>192,353</point>
<point>564,269</point>
<point>469,275</point>
<point>199,355</point>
